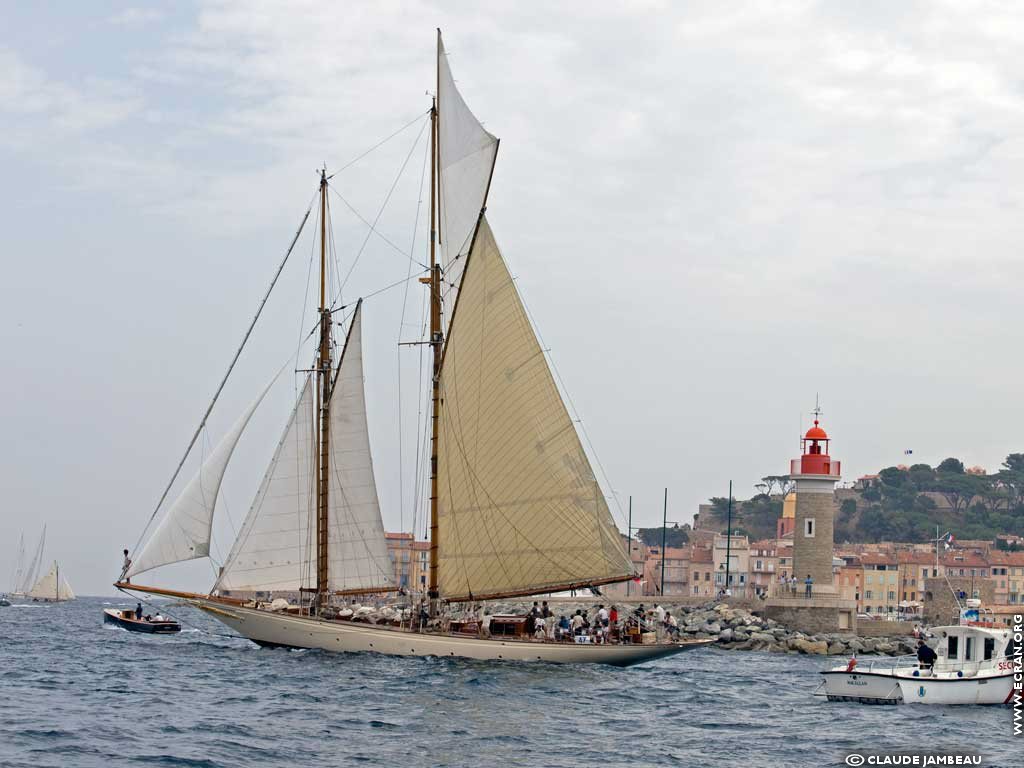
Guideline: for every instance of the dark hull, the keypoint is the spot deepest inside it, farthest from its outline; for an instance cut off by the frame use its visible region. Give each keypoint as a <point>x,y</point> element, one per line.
<point>136,625</point>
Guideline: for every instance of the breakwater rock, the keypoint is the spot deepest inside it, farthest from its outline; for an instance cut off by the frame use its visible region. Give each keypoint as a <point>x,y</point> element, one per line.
<point>740,629</point>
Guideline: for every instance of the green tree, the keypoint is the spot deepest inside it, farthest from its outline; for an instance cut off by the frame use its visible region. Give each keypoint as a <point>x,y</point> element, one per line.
<point>951,466</point>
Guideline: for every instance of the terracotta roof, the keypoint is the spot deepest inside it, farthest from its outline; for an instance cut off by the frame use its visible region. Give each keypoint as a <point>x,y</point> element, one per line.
<point>964,560</point>
<point>995,557</point>
<point>917,558</point>
<point>701,555</point>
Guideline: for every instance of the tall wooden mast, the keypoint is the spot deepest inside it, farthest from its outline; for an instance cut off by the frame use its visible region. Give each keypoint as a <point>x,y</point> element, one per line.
<point>323,425</point>
<point>436,337</point>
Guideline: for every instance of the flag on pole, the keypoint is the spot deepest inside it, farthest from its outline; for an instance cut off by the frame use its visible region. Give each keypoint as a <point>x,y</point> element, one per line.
<point>949,541</point>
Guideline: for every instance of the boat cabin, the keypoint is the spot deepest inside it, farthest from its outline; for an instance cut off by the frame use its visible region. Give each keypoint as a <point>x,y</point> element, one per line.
<point>967,647</point>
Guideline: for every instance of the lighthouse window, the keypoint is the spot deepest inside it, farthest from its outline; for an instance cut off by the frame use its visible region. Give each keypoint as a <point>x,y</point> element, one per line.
<point>953,649</point>
<point>809,528</point>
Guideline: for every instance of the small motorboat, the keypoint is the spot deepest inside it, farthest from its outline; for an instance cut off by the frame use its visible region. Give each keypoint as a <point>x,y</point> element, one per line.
<point>974,666</point>
<point>4,602</point>
<point>125,618</point>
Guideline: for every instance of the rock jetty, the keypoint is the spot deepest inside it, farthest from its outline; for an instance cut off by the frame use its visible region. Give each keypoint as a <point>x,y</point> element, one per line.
<point>736,628</point>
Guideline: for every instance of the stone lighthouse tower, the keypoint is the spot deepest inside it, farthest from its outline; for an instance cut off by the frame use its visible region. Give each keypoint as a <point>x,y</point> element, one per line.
<point>815,475</point>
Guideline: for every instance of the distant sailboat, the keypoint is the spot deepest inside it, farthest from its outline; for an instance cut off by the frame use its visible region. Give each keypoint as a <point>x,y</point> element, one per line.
<point>27,574</point>
<point>51,588</point>
<point>515,508</point>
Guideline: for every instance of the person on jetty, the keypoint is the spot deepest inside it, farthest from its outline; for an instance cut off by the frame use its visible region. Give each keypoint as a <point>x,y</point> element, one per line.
<point>926,656</point>
<point>808,584</point>
<point>671,625</point>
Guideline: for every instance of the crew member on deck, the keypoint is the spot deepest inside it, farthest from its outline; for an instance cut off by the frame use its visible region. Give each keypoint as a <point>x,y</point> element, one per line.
<point>124,569</point>
<point>138,611</point>
<point>925,655</point>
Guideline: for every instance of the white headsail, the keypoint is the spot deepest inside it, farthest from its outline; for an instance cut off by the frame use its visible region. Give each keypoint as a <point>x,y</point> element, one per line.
<point>53,586</point>
<point>466,154</point>
<point>358,557</point>
<point>274,546</point>
<point>184,531</point>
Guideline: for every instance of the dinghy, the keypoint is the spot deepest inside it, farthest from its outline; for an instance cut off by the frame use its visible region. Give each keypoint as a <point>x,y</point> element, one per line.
<point>125,619</point>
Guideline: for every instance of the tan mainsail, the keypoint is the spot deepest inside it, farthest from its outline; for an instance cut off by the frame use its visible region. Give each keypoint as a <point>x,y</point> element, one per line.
<point>519,508</point>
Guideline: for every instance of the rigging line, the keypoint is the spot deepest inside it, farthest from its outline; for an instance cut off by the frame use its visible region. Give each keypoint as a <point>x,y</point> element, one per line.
<point>376,231</point>
<point>401,326</point>
<point>380,290</point>
<point>305,296</point>
<point>227,374</point>
<point>379,144</point>
<point>387,199</point>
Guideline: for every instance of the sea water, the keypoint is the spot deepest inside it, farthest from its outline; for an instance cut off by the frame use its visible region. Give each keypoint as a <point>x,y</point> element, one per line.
<point>74,692</point>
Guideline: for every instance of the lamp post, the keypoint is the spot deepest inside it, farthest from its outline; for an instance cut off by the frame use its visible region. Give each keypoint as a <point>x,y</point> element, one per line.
<point>664,535</point>
<point>664,532</point>
<point>629,540</point>
<point>728,541</point>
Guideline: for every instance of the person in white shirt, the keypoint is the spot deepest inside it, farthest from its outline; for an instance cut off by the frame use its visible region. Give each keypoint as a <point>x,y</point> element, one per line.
<point>577,622</point>
<point>659,613</point>
<point>602,615</point>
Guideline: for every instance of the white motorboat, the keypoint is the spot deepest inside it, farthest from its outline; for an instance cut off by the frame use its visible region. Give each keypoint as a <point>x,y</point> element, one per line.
<point>974,666</point>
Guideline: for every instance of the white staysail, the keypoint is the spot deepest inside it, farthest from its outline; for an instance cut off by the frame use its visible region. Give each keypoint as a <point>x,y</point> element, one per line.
<point>519,508</point>
<point>466,153</point>
<point>185,530</point>
<point>53,586</point>
<point>357,550</point>
<point>274,546</point>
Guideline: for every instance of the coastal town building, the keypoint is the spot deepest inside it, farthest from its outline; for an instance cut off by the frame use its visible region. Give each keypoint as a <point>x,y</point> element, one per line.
<point>408,560</point>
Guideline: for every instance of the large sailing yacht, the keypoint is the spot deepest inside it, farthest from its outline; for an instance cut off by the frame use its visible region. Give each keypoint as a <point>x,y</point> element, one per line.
<point>515,508</point>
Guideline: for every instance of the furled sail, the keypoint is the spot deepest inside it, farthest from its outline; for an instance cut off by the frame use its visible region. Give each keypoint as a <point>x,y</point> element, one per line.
<point>519,508</point>
<point>53,586</point>
<point>466,154</point>
<point>357,551</point>
<point>275,544</point>
<point>184,531</point>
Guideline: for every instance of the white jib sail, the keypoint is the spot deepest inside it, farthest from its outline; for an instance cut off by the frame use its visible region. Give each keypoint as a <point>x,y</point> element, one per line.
<point>275,544</point>
<point>466,153</point>
<point>46,587</point>
<point>184,531</point>
<point>358,557</point>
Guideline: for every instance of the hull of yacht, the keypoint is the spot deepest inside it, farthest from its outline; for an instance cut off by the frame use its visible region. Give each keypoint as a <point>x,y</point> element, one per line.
<point>283,630</point>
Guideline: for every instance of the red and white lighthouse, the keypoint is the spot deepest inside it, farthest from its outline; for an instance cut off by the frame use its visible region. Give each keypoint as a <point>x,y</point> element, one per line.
<point>815,475</point>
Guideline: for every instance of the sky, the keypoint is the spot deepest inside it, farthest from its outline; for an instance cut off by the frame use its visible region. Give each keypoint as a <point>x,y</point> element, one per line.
<point>715,212</point>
